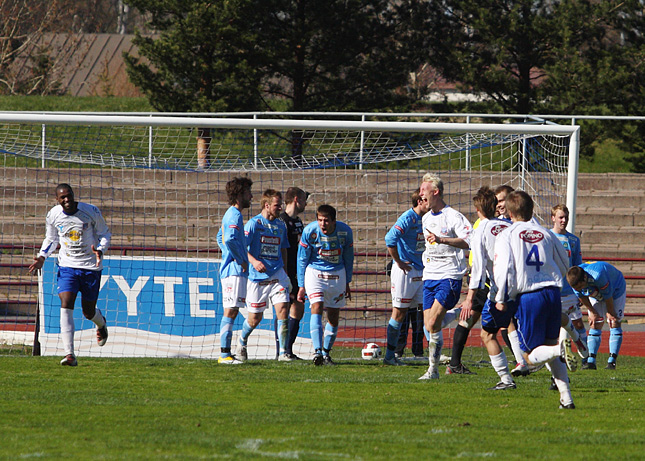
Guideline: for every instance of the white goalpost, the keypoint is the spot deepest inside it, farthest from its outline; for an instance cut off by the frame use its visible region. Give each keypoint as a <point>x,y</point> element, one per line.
<point>159,182</point>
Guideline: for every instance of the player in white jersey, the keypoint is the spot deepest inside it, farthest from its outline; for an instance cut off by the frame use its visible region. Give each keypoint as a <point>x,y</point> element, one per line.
<point>84,237</point>
<point>234,268</point>
<point>325,269</point>
<point>528,268</point>
<point>447,233</point>
<point>482,248</point>
<point>266,238</point>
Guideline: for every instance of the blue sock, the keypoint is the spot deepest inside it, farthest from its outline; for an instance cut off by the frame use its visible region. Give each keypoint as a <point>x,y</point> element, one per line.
<point>330,337</point>
<point>226,336</point>
<point>283,334</point>
<point>593,343</point>
<point>246,332</point>
<point>294,327</point>
<point>427,333</point>
<point>615,340</point>
<point>393,330</point>
<point>316,331</point>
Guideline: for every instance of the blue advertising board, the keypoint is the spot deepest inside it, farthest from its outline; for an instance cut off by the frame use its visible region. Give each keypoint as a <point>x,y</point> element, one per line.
<point>154,307</point>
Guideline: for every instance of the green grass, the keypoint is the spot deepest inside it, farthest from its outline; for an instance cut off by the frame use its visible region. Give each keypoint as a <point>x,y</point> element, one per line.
<point>165,408</point>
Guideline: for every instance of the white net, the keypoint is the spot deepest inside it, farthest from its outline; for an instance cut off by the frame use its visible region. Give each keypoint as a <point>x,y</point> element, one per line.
<point>161,191</point>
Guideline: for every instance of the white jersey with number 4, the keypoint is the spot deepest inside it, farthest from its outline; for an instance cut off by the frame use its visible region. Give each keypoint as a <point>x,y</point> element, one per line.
<point>441,261</point>
<point>76,233</point>
<point>527,258</point>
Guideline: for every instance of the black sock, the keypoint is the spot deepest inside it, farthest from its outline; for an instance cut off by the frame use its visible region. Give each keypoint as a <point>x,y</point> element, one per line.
<point>458,344</point>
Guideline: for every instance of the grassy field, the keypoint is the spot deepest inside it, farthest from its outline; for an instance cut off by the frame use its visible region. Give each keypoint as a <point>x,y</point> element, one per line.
<point>195,409</point>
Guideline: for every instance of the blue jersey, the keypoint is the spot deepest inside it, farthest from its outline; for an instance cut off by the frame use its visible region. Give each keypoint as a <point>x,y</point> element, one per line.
<point>232,242</point>
<point>571,243</point>
<point>326,252</point>
<point>407,236</point>
<point>265,240</point>
<point>605,281</point>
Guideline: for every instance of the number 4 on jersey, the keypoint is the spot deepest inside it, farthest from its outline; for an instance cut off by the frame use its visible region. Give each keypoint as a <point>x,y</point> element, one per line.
<point>533,258</point>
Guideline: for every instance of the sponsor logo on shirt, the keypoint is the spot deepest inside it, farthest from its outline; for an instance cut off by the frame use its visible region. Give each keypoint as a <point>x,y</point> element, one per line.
<point>270,240</point>
<point>531,236</point>
<point>497,228</point>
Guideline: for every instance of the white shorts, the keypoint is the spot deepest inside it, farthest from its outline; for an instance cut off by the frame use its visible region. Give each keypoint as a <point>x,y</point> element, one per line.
<point>407,289</point>
<point>234,292</point>
<point>327,287</point>
<point>619,307</point>
<point>571,307</point>
<point>274,289</point>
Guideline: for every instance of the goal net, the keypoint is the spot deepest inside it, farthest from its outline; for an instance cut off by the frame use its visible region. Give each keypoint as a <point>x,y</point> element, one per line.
<point>159,182</point>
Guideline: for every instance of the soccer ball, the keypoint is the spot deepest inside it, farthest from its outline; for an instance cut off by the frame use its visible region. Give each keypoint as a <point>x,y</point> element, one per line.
<point>371,351</point>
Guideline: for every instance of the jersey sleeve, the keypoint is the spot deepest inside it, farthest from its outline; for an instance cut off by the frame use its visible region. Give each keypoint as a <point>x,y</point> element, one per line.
<point>576,252</point>
<point>502,266</point>
<point>304,255</point>
<point>396,232</point>
<point>463,229</point>
<point>103,234</point>
<point>477,250</point>
<point>50,243</point>
<point>233,236</point>
<point>348,255</point>
<point>603,282</point>
<point>560,256</point>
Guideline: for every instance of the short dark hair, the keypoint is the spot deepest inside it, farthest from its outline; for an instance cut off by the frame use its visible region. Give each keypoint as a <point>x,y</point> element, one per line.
<point>64,186</point>
<point>294,192</point>
<point>236,187</point>
<point>327,210</point>
<point>485,201</point>
<point>504,188</point>
<point>520,205</point>
<point>415,197</point>
<point>575,275</point>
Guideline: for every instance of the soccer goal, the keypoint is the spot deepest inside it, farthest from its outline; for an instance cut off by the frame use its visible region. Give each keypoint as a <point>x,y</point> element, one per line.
<point>159,182</point>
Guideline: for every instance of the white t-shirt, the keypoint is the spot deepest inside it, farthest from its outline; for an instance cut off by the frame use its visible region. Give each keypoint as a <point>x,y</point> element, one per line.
<point>482,247</point>
<point>76,234</point>
<point>527,258</point>
<point>441,261</point>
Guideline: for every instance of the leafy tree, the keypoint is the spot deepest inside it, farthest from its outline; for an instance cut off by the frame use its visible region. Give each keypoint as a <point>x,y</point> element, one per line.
<point>529,55</point>
<point>242,55</point>
<point>203,58</point>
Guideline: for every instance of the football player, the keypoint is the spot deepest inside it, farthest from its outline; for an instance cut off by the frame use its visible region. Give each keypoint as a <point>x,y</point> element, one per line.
<point>325,266</point>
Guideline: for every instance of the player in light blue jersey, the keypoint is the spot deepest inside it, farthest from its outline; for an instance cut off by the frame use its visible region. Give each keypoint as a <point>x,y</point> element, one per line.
<point>405,244</point>
<point>603,291</point>
<point>571,313</point>
<point>266,236</point>
<point>325,267</point>
<point>234,268</point>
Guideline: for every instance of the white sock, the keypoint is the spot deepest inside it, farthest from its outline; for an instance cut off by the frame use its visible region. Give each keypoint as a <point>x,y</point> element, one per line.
<point>500,365</point>
<point>572,331</point>
<point>515,346</point>
<point>98,318</point>
<point>561,378</point>
<point>542,354</point>
<point>67,330</point>
<point>434,349</point>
